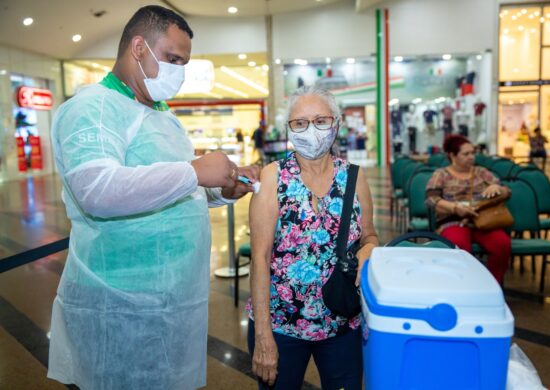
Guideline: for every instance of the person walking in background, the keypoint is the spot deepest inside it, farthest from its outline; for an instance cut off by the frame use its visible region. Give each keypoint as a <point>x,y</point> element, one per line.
<point>258,137</point>
<point>538,150</point>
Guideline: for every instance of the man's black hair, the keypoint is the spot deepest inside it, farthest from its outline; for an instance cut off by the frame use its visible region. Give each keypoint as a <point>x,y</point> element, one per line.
<point>151,22</point>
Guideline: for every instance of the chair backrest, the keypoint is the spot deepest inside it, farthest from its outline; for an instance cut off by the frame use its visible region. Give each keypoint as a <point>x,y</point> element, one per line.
<point>417,193</point>
<point>397,171</point>
<point>438,160</point>
<point>502,168</point>
<point>523,206</point>
<point>516,169</point>
<point>481,159</point>
<point>491,160</point>
<point>540,183</point>
<point>408,172</point>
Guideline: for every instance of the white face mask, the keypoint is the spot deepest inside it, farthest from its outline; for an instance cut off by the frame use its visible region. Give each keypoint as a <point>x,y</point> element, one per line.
<point>168,81</point>
<point>312,143</point>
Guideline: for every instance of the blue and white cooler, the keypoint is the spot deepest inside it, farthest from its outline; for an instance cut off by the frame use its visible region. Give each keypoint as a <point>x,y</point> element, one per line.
<point>433,319</point>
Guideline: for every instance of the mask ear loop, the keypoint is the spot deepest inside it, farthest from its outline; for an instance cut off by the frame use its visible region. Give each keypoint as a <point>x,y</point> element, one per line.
<point>153,54</point>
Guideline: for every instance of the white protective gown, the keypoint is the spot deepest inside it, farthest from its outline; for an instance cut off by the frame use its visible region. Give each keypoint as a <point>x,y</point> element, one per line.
<point>131,308</point>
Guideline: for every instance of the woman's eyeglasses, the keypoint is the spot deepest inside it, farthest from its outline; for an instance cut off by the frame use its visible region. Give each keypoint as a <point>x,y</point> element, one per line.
<point>320,123</point>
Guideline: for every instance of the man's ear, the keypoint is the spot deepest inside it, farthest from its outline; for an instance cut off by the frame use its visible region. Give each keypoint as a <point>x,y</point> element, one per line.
<point>137,47</point>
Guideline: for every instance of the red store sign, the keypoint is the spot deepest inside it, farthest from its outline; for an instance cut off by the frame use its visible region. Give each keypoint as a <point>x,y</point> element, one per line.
<point>39,99</point>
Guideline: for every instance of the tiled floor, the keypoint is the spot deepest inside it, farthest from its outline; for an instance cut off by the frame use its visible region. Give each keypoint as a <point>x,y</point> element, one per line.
<point>31,214</point>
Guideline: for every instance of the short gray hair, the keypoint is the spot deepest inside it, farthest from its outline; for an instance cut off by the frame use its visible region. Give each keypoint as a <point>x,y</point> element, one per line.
<point>316,91</point>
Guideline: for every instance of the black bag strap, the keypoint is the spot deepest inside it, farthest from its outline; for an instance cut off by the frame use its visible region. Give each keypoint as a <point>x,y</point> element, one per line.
<point>345,219</point>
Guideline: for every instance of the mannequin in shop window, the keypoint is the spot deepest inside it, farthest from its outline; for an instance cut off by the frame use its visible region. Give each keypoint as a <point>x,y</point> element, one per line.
<point>478,131</point>
<point>447,113</point>
<point>396,124</point>
<point>429,120</point>
<point>411,122</point>
<point>538,150</point>
<point>463,121</point>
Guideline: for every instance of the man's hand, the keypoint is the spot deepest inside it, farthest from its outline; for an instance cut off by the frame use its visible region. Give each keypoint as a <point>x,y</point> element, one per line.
<point>238,189</point>
<point>215,170</point>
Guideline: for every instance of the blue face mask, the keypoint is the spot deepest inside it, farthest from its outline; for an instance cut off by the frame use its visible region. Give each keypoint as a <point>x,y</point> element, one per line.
<point>168,82</point>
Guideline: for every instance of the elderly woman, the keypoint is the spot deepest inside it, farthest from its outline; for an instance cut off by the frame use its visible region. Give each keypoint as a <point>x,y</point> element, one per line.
<point>450,191</point>
<point>294,222</point>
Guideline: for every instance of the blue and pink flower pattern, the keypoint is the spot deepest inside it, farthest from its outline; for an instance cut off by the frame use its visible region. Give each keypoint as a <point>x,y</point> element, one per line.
<point>303,255</point>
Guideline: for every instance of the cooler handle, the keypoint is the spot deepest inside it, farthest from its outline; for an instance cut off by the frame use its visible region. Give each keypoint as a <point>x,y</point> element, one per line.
<point>421,234</point>
<point>442,317</point>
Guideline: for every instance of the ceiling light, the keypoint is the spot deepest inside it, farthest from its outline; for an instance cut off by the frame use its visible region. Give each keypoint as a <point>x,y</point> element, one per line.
<point>515,70</point>
<point>3,72</point>
<point>417,100</point>
<point>548,15</point>
<point>328,60</point>
<point>244,80</point>
<point>231,90</point>
<point>446,57</point>
<point>524,11</point>
<point>350,60</point>
<point>398,59</point>
<point>28,21</point>
<point>505,31</point>
<point>299,61</point>
<point>77,37</point>
<point>514,17</point>
<point>265,67</point>
<point>479,57</point>
<point>251,63</point>
<point>242,56</point>
<point>277,61</point>
<point>533,30</point>
<point>537,13</point>
<point>531,16</point>
<point>542,20</point>
<point>232,10</point>
<point>521,28</point>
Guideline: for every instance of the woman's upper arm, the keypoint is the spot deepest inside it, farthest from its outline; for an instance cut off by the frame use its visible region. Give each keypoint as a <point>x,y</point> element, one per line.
<point>264,212</point>
<point>365,200</point>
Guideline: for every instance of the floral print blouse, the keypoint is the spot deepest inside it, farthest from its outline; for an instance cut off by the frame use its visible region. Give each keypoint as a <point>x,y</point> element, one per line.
<point>303,255</point>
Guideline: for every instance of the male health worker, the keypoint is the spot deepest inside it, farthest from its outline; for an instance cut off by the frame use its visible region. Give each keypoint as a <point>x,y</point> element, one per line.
<point>131,308</point>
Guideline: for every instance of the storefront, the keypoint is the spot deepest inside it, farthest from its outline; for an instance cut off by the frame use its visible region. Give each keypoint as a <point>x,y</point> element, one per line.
<point>524,76</point>
<point>29,91</point>
<point>429,97</point>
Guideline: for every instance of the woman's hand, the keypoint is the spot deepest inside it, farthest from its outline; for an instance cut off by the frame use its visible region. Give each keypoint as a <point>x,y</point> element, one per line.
<point>265,358</point>
<point>491,191</point>
<point>363,255</point>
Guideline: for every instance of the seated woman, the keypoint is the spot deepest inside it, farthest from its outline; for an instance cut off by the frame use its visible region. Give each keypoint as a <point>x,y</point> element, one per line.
<point>294,222</point>
<point>450,191</point>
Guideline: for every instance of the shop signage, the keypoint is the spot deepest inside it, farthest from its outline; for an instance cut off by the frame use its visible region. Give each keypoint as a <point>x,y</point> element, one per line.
<point>39,99</point>
<point>524,83</point>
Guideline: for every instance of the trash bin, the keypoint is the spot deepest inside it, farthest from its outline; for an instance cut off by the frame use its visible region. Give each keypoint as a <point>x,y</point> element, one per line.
<point>433,319</point>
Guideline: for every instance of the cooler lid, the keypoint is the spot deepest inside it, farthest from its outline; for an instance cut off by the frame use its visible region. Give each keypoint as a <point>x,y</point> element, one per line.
<point>423,277</point>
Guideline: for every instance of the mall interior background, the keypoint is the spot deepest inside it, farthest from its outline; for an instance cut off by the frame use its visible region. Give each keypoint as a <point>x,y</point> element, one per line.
<point>481,60</point>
